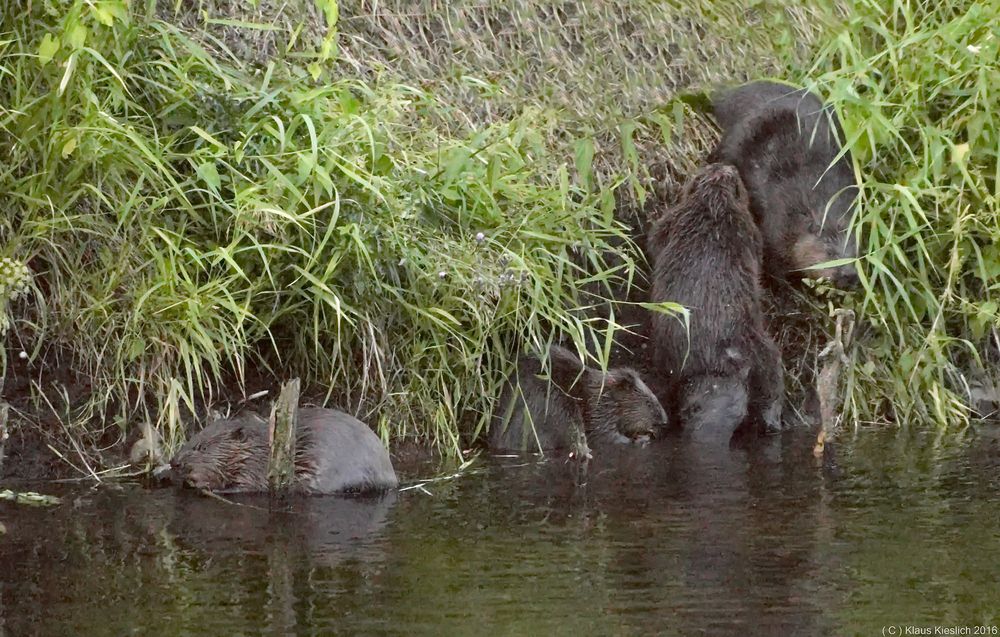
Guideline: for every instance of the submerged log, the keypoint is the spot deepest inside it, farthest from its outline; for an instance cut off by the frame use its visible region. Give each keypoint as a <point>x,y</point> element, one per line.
<point>282,427</point>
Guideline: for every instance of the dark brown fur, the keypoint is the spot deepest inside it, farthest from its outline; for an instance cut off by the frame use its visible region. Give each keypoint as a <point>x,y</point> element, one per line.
<point>538,413</point>
<point>785,144</point>
<point>335,452</point>
<point>706,255</point>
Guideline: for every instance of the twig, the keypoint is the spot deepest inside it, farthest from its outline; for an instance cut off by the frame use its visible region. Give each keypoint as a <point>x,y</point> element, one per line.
<point>4,411</point>
<point>828,380</point>
<point>216,496</point>
<point>103,472</point>
<point>421,485</point>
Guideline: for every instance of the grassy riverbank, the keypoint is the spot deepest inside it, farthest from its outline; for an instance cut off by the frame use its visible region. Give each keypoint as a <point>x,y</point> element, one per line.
<point>390,205</point>
<point>918,86</point>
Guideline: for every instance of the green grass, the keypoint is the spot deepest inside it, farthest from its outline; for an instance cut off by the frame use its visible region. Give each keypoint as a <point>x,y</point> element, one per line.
<point>188,214</point>
<point>918,85</point>
<point>184,219</point>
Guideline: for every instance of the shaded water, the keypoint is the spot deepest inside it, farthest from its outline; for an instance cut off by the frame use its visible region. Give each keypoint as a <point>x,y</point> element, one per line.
<point>679,537</point>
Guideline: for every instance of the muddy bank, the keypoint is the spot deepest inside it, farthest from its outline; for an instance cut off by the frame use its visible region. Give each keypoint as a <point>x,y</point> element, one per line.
<point>51,438</point>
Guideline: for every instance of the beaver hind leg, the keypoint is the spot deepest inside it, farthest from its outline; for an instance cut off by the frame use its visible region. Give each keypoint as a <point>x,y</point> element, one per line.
<point>767,387</point>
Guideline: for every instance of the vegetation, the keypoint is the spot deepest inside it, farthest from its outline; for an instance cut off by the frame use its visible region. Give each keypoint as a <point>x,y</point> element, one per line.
<point>919,88</point>
<point>391,204</point>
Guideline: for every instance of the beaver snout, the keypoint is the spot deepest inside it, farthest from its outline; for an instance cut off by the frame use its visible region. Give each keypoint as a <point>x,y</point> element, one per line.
<point>176,472</point>
<point>190,478</point>
<point>642,439</point>
<point>846,278</point>
<point>810,251</point>
<point>196,483</point>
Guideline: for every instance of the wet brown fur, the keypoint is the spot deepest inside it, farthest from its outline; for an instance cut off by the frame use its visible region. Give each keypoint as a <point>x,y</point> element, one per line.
<point>785,144</point>
<point>229,455</point>
<point>542,407</point>
<point>334,453</point>
<point>706,254</point>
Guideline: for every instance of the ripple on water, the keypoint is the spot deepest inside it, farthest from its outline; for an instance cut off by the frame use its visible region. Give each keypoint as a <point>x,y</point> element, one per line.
<point>673,538</point>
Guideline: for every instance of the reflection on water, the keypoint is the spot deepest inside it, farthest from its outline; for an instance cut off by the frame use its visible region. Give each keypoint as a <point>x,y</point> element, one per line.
<point>678,537</point>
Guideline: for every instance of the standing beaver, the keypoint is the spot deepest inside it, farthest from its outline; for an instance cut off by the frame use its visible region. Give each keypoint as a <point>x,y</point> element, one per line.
<point>785,144</point>
<point>535,414</point>
<point>706,255</point>
<point>335,453</point>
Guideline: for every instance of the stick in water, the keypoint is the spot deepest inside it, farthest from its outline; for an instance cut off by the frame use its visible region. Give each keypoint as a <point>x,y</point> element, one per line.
<point>834,356</point>
<point>4,408</point>
<point>281,435</point>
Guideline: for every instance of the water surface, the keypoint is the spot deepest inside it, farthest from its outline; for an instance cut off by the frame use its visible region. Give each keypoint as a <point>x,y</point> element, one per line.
<point>679,537</point>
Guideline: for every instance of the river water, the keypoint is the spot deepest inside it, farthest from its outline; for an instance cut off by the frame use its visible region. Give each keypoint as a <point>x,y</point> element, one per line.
<point>894,531</point>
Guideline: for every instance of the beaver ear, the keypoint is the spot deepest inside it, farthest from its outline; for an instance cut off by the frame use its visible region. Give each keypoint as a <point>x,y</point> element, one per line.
<point>238,434</point>
<point>632,379</point>
<point>621,379</point>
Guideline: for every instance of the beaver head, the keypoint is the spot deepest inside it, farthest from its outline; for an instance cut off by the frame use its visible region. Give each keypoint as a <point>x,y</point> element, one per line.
<point>623,406</point>
<point>803,194</point>
<point>229,455</point>
<point>819,229</point>
<point>714,407</point>
<point>720,187</point>
<point>787,145</point>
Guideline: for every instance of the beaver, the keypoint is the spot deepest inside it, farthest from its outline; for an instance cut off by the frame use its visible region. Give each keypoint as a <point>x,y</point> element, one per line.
<point>785,144</point>
<point>542,414</point>
<point>714,407</point>
<point>706,255</point>
<point>335,453</point>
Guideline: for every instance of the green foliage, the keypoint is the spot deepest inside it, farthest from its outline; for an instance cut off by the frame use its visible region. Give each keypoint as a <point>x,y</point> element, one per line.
<point>188,219</point>
<point>452,188</point>
<point>919,89</point>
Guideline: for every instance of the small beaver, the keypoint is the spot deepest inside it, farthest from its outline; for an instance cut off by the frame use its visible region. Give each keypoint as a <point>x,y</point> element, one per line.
<point>536,414</point>
<point>335,453</point>
<point>785,143</point>
<point>706,255</point>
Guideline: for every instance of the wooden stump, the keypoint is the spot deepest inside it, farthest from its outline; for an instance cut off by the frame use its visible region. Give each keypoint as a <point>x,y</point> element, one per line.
<point>282,427</point>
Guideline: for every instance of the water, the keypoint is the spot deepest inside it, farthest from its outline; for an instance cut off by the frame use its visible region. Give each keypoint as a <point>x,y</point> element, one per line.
<point>677,538</point>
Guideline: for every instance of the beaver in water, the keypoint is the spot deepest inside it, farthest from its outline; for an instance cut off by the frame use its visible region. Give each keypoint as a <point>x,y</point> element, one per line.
<point>335,453</point>
<point>706,255</point>
<point>714,406</point>
<point>548,408</point>
<point>785,144</point>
